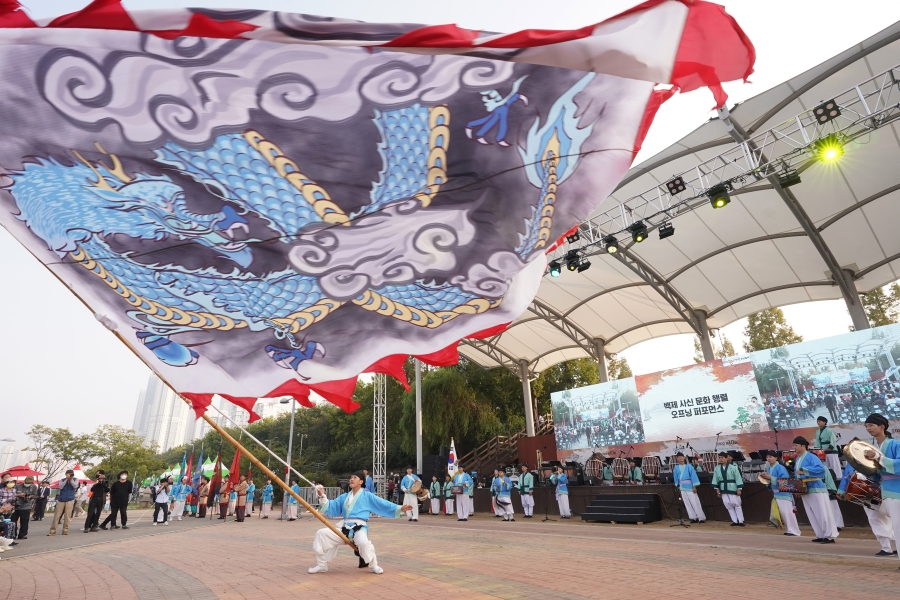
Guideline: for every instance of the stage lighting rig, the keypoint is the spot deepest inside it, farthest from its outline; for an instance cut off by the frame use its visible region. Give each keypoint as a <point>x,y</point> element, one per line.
<point>666,230</point>
<point>584,265</point>
<point>638,231</point>
<point>611,244</point>
<point>718,195</point>
<point>572,260</point>
<point>827,111</point>
<point>829,148</point>
<point>675,185</point>
<point>788,179</point>
<point>555,268</point>
<point>573,238</point>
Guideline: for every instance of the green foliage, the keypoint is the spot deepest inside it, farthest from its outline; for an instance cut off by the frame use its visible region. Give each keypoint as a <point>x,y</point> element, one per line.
<point>881,305</point>
<point>566,376</point>
<point>618,368</point>
<point>720,351</point>
<point>121,449</point>
<point>743,418</point>
<point>768,329</point>
<point>56,448</point>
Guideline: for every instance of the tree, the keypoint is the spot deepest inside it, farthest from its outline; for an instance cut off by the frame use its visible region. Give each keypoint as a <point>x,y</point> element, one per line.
<point>57,448</point>
<point>618,368</point>
<point>768,329</point>
<point>566,375</point>
<point>881,305</point>
<point>726,349</point>
<point>120,449</point>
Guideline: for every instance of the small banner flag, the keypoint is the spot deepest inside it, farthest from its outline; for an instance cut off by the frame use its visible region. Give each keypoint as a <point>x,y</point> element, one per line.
<point>451,459</point>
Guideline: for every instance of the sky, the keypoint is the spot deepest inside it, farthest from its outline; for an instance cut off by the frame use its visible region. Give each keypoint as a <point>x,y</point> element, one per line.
<point>62,368</point>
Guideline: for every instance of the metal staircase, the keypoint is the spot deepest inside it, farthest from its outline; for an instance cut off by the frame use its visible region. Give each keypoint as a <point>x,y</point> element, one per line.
<point>501,449</point>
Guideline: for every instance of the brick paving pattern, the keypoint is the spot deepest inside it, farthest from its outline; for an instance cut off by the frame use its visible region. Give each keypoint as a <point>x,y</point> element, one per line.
<point>441,558</point>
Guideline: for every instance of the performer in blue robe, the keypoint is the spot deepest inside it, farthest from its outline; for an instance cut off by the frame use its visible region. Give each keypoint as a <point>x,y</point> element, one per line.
<point>783,500</point>
<point>502,487</point>
<point>686,481</point>
<point>268,495</point>
<point>877,426</point>
<point>251,491</point>
<point>561,481</point>
<point>409,498</point>
<point>354,507</point>
<point>810,470</point>
<point>462,480</point>
<point>879,520</point>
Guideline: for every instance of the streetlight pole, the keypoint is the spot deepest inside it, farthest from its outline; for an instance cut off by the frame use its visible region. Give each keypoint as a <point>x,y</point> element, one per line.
<point>287,470</point>
<point>299,456</point>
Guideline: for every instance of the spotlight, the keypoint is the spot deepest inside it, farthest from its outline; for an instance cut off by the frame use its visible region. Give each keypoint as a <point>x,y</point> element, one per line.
<point>573,238</point>
<point>788,179</point>
<point>611,244</point>
<point>829,148</point>
<point>638,231</point>
<point>676,185</point>
<point>572,260</point>
<point>555,269</point>
<point>718,196</point>
<point>666,230</point>
<point>584,265</point>
<point>827,111</point>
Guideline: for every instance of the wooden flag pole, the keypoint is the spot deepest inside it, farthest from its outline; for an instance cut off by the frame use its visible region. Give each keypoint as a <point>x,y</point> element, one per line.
<point>275,478</point>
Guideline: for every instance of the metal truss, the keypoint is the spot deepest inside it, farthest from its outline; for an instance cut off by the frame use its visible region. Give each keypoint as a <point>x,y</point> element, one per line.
<point>498,355</point>
<point>379,435</point>
<point>787,147</point>
<point>578,335</point>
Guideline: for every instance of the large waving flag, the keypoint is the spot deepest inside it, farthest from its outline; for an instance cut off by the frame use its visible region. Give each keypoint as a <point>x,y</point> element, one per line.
<point>263,204</point>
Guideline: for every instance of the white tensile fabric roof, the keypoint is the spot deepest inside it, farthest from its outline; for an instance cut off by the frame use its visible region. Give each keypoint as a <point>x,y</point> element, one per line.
<point>751,255</point>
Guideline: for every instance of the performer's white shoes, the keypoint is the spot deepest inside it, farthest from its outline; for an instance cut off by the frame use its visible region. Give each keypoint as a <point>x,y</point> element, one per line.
<point>318,569</point>
<point>376,569</point>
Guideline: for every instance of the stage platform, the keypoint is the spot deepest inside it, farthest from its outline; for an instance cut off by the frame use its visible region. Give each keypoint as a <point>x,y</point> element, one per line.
<point>757,501</point>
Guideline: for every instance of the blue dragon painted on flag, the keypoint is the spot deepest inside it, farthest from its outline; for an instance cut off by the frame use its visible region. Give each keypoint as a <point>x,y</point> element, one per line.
<point>80,209</point>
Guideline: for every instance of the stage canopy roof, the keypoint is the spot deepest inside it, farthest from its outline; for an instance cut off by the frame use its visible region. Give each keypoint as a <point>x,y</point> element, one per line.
<point>769,247</point>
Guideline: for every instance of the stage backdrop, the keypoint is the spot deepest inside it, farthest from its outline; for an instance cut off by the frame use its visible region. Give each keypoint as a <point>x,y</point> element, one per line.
<point>754,401</point>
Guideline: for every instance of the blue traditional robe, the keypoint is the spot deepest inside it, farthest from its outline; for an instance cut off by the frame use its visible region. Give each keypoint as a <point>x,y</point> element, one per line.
<point>777,471</point>
<point>561,482</point>
<point>526,483</point>
<point>180,491</point>
<point>463,479</point>
<point>825,439</point>
<point>448,490</point>
<point>251,489</point>
<point>370,484</point>
<point>502,486</point>
<point>267,493</point>
<point>408,481</point>
<point>890,478</point>
<point>359,507</point>
<point>810,469</point>
<point>686,477</point>
<point>291,499</point>
<point>727,479</point>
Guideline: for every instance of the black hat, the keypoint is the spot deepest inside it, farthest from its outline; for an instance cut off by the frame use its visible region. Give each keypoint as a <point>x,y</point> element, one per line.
<point>360,474</point>
<point>878,419</point>
<point>821,418</point>
<point>768,453</point>
<point>801,440</point>
<point>725,454</point>
<point>680,454</point>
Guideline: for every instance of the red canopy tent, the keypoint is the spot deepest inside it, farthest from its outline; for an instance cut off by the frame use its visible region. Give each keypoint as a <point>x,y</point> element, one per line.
<point>79,475</point>
<point>23,471</point>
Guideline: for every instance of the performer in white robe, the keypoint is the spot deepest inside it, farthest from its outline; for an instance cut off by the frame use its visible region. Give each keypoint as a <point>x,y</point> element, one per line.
<point>355,507</point>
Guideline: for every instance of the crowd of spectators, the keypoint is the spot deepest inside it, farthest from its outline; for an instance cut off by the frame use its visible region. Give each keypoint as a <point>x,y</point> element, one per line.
<point>623,429</point>
<point>843,404</point>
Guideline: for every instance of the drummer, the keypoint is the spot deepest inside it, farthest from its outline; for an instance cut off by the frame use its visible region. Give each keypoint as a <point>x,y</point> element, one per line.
<point>783,500</point>
<point>607,473</point>
<point>811,471</point>
<point>410,497</point>
<point>879,521</point>
<point>695,462</point>
<point>687,481</point>
<point>502,487</point>
<point>827,441</point>
<point>728,483</point>
<point>635,475</point>
<point>877,426</point>
<point>463,482</point>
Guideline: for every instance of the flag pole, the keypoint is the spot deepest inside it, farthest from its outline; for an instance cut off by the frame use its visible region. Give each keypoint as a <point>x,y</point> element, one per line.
<point>274,477</point>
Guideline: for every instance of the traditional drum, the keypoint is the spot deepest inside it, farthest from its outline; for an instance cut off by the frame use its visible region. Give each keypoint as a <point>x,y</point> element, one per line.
<point>855,453</point>
<point>416,487</point>
<point>862,491</point>
<point>791,485</point>
<point>457,489</point>
<point>709,460</point>
<point>765,479</point>
<point>620,469</point>
<point>594,466</point>
<point>650,466</point>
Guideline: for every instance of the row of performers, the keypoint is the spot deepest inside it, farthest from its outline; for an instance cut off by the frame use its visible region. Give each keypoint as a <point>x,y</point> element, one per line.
<point>824,514</point>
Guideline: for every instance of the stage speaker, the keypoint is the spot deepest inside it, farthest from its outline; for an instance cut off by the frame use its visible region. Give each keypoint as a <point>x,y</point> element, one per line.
<point>704,477</point>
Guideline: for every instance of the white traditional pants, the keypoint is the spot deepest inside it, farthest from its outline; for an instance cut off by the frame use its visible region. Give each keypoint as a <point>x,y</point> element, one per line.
<point>528,504</point>
<point>435,506</point>
<point>733,505</point>
<point>292,511</point>
<point>882,527</point>
<point>327,542</point>
<point>231,506</point>
<point>413,501</point>
<point>891,506</point>
<point>179,509</point>
<point>505,508</point>
<point>462,506</point>
<point>471,505</point>
<point>448,506</point>
<point>788,517</point>
<point>820,515</point>
<point>563,500</point>
<point>692,504</point>
<point>836,513</point>
<point>833,462</point>
<point>266,508</point>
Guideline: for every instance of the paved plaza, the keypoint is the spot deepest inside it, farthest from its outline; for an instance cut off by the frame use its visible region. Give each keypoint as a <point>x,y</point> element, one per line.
<point>439,557</point>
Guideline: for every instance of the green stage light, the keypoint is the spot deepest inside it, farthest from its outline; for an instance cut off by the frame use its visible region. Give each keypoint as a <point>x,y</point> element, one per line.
<point>555,268</point>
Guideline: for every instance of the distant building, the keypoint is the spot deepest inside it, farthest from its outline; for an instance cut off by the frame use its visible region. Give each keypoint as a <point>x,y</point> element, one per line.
<point>7,457</point>
<point>164,419</point>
